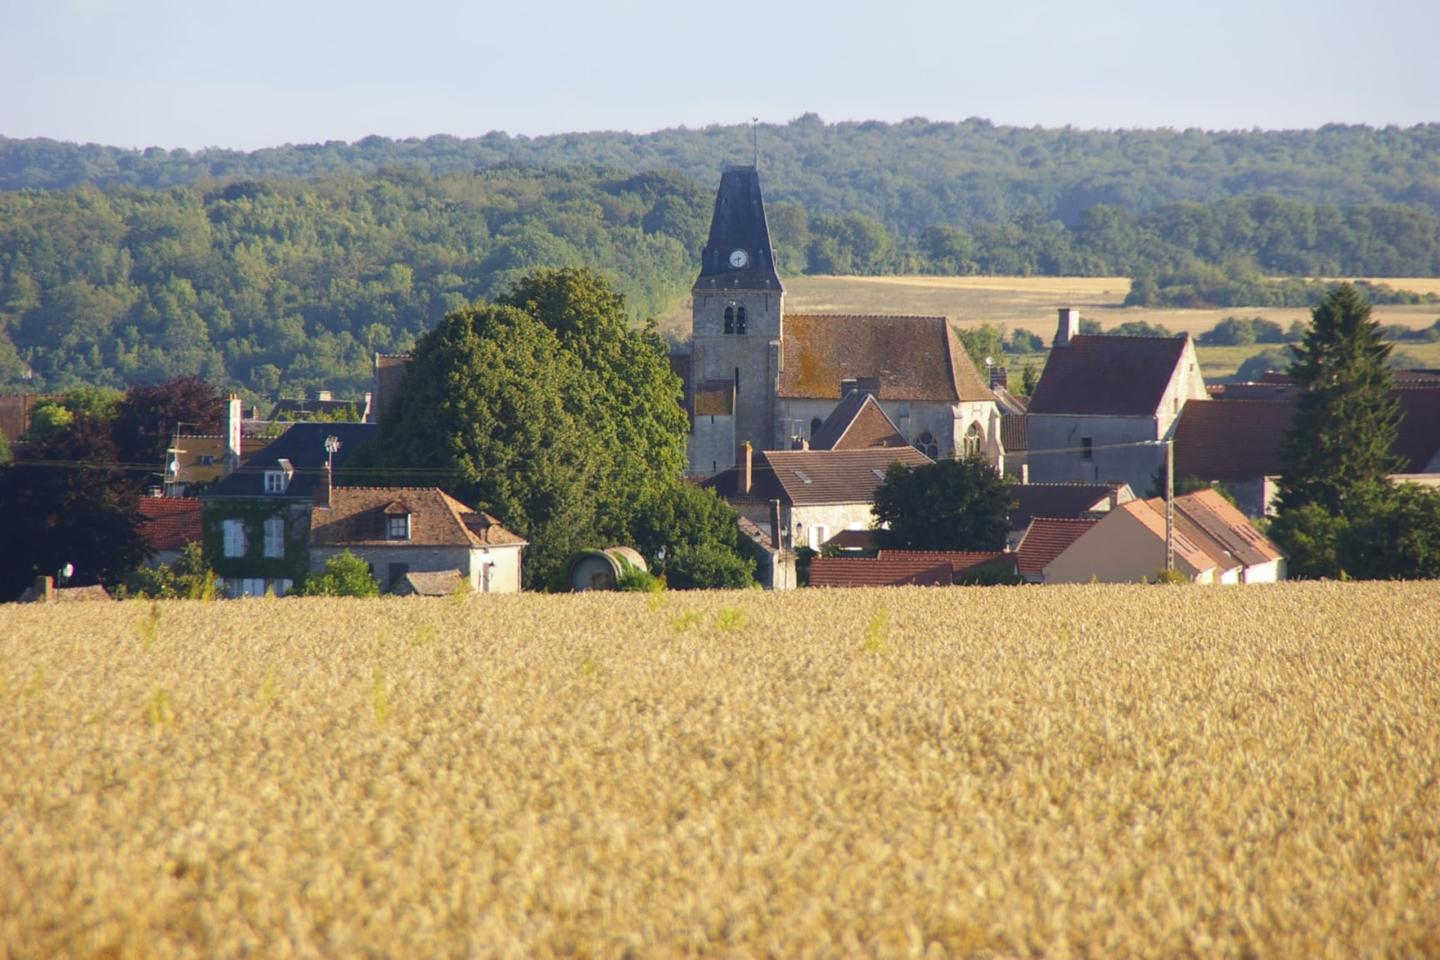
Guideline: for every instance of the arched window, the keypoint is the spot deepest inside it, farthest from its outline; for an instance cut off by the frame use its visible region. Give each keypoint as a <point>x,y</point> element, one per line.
<point>729,319</point>
<point>740,320</point>
<point>926,444</point>
<point>815,425</point>
<point>974,441</point>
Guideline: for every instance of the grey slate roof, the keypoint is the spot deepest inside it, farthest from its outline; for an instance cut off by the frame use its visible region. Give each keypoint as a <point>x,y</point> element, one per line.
<point>738,224</point>
<point>304,446</point>
<point>857,422</point>
<point>1065,501</point>
<point>808,477</point>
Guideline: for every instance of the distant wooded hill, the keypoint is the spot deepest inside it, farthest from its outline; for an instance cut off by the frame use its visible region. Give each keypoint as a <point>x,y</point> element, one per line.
<point>908,175</point>
<point>285,269</point>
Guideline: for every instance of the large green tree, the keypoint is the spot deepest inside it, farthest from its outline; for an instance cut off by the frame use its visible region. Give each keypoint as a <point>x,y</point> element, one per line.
<point>1336,454</point>
<point>546,410</point>
<point>950,505</point>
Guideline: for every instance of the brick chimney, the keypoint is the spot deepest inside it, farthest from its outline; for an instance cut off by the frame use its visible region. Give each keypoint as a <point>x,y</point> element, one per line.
<point>746,462</point>
<point>1068,327</point>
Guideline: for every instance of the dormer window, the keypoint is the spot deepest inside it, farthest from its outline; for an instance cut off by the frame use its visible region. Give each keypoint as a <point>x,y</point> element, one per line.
<point>278,481</point>
<point>729,319</point>
<point>397,521</point>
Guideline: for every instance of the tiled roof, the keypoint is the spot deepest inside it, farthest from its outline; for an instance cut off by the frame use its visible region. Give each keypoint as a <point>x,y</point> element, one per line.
<point>1045,539</point>
<point>1223,523</point>
<point>874,572</point>
<point>1186,548</point>
<point>836,476</point>
<point>715,398</point>
<point>1009,403</point>
<point>357,516</point>
<point>1231,440</point>
<point>1418,439</point>
<point>438,583</point>
<point>857,423</point>
<point>914,358</point>
<point>1014,432</point>
<point>1068,501</point>
<point>808,477</point>
<point>1108,376</point>
<point>169,523</point>
<point>303,444</point>
<point>961,561</point>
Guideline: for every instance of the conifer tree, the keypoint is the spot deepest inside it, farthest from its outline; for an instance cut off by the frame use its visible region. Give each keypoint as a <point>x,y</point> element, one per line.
<point>1336,455</point>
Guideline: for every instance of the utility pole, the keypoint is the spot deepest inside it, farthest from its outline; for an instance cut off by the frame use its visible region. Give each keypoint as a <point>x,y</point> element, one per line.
<point>1170,503</point>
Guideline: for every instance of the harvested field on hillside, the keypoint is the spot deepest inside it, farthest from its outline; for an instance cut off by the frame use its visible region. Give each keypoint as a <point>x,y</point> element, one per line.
<point>1029,303</point>
<point>1100,771</point>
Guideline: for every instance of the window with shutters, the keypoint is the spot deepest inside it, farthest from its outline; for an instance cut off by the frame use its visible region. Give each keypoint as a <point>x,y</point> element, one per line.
<point>274,536</point>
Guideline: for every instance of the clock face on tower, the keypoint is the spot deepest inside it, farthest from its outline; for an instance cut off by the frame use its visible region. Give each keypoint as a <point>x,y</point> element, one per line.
<point>739,258</point>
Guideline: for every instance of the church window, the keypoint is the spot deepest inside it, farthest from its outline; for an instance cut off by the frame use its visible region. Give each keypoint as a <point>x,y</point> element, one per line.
<point>729,319</point>
<point>974,439</point>
<point>740,320</point>
<point>815,424</point>
<point>926,444</point>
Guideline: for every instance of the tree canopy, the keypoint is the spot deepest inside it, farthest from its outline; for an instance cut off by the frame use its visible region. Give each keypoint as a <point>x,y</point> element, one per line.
<point>949,505</point>
<point>550,411</point>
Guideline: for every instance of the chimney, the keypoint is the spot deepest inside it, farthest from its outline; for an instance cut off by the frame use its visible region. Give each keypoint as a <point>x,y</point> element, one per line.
<point>848,386</point>
<point>234,417</point>
<point>45,589</point>
<point>322,489</point>
<point>747,466</point>
<point>322,395</point>
<point>798,442</point>
<point>999,377</point>
<point>1068,327</point>
<point>776,532</point>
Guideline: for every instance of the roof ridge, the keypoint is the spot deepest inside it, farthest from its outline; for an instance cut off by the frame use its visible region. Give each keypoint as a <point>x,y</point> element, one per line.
<point>870,316</point>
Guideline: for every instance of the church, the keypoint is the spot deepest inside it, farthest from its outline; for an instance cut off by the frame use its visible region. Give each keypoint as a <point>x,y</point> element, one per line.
<point>759,375</point>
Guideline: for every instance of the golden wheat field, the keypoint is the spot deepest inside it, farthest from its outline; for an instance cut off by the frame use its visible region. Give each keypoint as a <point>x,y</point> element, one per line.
<point>1061,771</point>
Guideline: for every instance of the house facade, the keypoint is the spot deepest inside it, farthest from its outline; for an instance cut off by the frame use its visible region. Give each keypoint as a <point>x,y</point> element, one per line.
<point>255,522</point>
<point>1105,404</point>
<point>405,531</point>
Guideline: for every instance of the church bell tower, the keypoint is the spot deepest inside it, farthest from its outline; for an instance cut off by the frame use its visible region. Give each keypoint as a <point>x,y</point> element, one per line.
<point>737,322</point>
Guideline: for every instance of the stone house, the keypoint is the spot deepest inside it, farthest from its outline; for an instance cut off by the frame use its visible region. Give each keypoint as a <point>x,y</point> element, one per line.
<point>800,498</point>
<point>255,522</point>
<point>1104,404</point>
<point>401,531</point>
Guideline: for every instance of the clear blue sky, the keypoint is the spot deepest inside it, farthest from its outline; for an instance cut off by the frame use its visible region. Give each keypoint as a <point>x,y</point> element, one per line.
<point>195,73</point>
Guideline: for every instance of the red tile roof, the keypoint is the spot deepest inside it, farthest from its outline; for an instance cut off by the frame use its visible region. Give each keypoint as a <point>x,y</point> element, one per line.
<point>1231,440</point>
<point>1045,539</point>
<point>836,476</point>
<point>874,572</point>
<point>1108,376</point>
<point>857,423</point>
<point>357,515</point>
<point>961,561</point>
<point>1068,501</point>
<point>1015,432</point>
<point>169,523</point>
<point>914,358</point>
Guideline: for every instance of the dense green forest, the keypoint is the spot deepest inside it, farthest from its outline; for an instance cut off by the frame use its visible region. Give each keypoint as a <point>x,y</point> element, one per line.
<point>285,269</point>
<point>282,286</point>
<point>907,175</point>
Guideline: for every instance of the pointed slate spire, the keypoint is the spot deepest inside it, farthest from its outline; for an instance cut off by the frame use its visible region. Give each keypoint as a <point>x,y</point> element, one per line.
<point>738,254</point>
